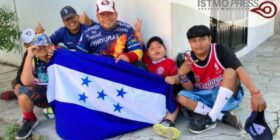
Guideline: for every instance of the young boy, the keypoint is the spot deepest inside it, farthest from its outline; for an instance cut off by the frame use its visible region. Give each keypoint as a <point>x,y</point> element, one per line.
<point>34,79</point>
<point>157,63</point>
<point>26,37</point>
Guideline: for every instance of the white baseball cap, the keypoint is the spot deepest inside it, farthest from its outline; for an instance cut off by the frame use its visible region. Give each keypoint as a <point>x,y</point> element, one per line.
<point>105,6</point>
<point>27,35</point>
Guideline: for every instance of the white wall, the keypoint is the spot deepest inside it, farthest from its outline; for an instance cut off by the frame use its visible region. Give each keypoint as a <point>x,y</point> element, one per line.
<point>156,15</point>
<point>183,18</point>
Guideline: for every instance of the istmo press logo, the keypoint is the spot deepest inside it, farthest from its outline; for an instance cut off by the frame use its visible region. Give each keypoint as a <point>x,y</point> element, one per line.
<point>266,9</point>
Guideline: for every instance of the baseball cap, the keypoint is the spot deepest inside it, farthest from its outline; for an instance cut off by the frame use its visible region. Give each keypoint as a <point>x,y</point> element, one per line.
<point>198,31</point>
<point>67,12</point>
<point>154,38</point>
<point>257,127</point>
<point>105,6</point>
<point>27,35</point>
<point>41,40</point>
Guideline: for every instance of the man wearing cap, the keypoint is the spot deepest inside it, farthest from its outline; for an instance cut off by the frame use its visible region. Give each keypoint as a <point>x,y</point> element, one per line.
<point>211,76</point>
<point>71,32</point>
<point>110,37</point>
<point>26,37</point>
<point>34,80</point>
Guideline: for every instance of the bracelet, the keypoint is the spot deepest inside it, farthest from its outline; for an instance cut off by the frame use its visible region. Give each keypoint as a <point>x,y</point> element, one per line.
<point>185,80</point>
<point>255,92</point>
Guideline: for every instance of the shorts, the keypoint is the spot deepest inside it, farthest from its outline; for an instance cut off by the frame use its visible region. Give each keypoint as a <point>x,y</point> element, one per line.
<point>37,93</point>
<point>208,97</point>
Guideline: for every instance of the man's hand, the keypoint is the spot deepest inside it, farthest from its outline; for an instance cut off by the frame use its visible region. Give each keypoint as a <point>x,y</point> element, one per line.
<point>122,57</point>
<point>84,19</point>
<point>39,29</point>
<point>258,103</point>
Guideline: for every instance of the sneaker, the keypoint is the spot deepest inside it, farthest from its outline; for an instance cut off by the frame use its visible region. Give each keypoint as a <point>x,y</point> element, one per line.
<point>8,95</point>
<point>26,129</point>
<point>48,113</point>
<point>201,125</point>
<point>232,120</point>
<point>167,129</point>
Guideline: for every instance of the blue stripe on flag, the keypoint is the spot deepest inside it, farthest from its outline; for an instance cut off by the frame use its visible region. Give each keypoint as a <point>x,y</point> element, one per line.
<point>76,123</point>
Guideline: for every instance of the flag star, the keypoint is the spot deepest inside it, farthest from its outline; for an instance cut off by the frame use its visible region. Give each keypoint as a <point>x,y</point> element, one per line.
<point>118,107</point>
<point>101,95</point>
<point>83,97</point>
<point>121,92</point>
<point>86,81</point>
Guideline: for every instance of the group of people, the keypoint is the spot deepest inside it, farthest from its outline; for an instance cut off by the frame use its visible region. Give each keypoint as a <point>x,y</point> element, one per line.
<point>211,74</point>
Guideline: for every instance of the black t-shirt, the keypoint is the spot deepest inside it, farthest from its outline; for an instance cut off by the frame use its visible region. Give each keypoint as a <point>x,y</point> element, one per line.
<point>225,55</point>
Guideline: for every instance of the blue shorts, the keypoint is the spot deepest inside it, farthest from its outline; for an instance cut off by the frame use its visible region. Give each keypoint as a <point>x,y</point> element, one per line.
<point>208,97</point>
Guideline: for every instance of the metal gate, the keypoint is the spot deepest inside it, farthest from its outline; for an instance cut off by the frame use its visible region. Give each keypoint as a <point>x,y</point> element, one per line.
<point>232,32</point>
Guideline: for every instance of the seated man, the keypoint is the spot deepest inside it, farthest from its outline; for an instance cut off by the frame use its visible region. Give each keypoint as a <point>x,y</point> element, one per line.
<point>110,37</point>
<point>211,76</point>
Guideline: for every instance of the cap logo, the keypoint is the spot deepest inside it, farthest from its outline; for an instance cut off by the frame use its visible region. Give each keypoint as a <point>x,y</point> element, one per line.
<point>65,11</point>
<point>105,2</point>
<point>28,33</point>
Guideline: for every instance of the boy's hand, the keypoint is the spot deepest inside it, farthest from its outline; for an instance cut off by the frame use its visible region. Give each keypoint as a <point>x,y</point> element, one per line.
<point>258,103</point>
<point>31,51</point>
<point>170,80</point>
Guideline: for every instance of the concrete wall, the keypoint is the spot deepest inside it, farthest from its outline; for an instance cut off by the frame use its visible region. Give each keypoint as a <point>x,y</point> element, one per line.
<point>182,18</point>
<point>156,16</point>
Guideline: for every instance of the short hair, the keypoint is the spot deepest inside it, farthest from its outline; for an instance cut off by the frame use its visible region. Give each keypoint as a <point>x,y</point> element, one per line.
<point>198,31</point>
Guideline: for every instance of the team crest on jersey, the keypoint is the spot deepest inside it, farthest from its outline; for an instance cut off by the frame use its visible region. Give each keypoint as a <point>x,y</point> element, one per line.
<point>216,67</point>
<point>160,70</point>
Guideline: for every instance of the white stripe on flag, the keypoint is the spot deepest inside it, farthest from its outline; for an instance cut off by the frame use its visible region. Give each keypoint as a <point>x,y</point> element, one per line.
<point>66,85</point>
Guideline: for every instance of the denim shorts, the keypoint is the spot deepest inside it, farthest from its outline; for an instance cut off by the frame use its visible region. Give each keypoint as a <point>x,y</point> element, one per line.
<point>208,97</point>
<point>37,93</point>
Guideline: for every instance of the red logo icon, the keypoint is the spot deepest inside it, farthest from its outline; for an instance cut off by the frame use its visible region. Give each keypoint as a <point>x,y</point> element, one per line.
<point>266,9</point>
<point>105,2</point>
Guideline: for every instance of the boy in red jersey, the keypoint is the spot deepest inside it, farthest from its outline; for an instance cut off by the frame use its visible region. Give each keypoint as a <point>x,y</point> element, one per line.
<point>211,76</point>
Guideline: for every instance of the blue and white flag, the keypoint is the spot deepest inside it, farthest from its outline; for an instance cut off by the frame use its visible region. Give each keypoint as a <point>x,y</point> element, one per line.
<point>95,98</point>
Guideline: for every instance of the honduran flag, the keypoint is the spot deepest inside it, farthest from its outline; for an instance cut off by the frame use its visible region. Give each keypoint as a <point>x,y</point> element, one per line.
<point>93,97</point>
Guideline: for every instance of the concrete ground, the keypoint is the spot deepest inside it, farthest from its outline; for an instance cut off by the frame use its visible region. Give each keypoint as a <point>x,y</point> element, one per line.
<point>263,65</point>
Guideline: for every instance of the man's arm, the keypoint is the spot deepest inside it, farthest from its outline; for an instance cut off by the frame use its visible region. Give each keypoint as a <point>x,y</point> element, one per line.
<point>257,101</point>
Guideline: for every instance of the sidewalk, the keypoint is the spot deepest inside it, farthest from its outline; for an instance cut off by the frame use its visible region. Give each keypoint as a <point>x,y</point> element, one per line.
<point>263,65</point>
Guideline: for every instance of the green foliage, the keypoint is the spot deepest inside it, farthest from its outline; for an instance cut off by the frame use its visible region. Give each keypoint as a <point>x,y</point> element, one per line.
<point>9,31</point>
<point>10,132</point>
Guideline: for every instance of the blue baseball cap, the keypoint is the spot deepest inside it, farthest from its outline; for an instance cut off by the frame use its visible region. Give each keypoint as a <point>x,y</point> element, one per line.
<point>257,127</point>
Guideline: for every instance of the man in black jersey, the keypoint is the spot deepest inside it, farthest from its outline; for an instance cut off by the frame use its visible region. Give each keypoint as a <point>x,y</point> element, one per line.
<point>211,76</point>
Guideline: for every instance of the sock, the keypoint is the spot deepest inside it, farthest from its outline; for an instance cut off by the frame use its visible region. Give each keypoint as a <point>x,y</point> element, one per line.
<point>223,96</point>
<point>29,116</point>
<point>203,109</point>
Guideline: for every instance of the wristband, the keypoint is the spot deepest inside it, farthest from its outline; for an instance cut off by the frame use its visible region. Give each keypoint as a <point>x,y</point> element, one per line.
<point>185,80</point>
<point>255,92</point>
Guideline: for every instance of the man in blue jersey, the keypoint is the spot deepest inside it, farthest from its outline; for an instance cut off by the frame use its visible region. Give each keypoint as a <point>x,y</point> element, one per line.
<point>110,37</point>
<point>71,32</point>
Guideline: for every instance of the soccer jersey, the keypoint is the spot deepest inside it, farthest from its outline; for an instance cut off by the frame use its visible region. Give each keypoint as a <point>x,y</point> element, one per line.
<point>63,35</point>
<point>115,42</point>
<point>164,67</point>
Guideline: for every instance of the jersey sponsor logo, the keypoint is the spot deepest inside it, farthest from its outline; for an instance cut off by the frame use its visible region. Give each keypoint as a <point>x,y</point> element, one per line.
<point>210,83</point>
